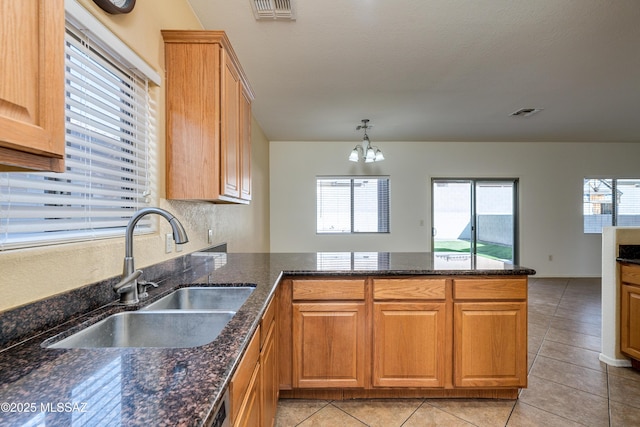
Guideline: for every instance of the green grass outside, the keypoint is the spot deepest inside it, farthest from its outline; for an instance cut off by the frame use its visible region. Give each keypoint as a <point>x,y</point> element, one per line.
<point>487,250</point>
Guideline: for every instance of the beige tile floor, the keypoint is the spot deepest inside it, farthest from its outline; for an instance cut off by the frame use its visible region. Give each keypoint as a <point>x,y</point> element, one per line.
<point>568,385</point>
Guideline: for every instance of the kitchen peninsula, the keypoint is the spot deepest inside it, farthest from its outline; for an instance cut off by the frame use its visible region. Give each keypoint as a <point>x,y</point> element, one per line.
<point>469,314</point>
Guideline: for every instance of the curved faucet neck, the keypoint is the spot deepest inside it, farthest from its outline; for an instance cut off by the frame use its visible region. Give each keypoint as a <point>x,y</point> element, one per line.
<point>128,286</point>
<point>128,250</point>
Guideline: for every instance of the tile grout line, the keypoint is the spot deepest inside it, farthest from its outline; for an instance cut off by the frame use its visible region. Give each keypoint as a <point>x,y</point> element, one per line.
<point>347,413</point>
<point>424,401</point>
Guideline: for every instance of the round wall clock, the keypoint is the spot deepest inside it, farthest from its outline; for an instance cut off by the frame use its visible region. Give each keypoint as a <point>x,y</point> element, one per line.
<point>116,6</point>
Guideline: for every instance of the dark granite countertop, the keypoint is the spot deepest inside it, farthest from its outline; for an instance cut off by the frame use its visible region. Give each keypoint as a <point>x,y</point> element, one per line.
<point>628,260</point>
<point>629,254</point>
<point>167,386</point>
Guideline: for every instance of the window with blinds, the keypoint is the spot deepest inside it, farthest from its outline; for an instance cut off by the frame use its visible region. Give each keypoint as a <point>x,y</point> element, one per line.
<point>610,202</point>
<point>352,205</point>
<point>109,131</point>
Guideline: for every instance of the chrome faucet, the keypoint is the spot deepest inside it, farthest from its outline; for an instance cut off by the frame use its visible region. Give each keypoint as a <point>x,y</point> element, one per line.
<point>130,288</point>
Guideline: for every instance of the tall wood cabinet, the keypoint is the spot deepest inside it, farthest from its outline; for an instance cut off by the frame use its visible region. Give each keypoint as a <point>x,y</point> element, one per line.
<point>208,118</point>
<point>32,135</point>
<point>630,311</point>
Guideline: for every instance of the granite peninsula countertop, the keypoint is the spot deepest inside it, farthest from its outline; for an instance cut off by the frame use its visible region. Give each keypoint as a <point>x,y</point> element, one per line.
<point>171,386</point>
<point>629,254</point>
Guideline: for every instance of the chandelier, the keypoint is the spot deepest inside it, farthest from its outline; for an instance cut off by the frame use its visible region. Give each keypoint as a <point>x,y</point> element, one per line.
<point>365,150</point>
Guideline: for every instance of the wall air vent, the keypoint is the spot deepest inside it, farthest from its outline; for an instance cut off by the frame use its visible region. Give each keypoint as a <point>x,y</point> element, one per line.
<point>274,9</point>
<point>525,112</point>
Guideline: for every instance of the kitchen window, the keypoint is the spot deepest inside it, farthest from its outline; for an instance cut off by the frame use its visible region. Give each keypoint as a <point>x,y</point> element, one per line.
<point>352,205</point>
<point>610,202</point>
<point>110,133</point>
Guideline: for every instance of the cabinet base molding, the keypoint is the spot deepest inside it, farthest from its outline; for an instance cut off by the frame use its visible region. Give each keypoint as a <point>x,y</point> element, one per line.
<point>346,394</point>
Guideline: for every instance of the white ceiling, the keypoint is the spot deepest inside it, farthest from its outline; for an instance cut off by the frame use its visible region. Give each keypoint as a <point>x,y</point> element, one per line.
<point>440,70</point>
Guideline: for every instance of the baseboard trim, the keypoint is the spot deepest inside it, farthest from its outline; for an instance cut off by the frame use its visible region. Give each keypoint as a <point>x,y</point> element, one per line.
<point>618,363</point>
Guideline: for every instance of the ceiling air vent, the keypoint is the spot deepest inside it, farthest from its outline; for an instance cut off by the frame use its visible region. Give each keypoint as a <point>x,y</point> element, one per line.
<point>525,112</point>
<point>274,9</point>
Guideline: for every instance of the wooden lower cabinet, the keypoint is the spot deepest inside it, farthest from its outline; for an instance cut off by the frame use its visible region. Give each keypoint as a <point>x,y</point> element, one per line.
<point>249,414</point>
<point>490,341</point>
<point>328,345</point>
<point>409,345</point>
<point>630,311</point>
<point>254,386</point>
<point>416,336</point>
<point>244,389</point>
<point>269,369</point>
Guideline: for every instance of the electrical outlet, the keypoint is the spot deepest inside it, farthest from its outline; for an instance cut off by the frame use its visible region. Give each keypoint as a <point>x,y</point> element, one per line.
<point>168,248</point>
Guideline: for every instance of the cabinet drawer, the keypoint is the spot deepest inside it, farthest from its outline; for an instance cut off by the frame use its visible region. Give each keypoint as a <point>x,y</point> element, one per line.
<point>267,319</point>
<point>242,376</point>
<point>490,288</point>
<point>409,289</point>
<point>630,274</point>
<point>332,289</point>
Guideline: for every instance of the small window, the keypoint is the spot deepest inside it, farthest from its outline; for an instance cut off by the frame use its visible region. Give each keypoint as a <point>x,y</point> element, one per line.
<point>352,205</point>
<point>610,202</point>
<point>107,177</point>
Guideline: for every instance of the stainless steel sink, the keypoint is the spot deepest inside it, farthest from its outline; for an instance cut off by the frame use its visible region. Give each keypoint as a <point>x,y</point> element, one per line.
<point>210,298</point>
<point>169,329</point>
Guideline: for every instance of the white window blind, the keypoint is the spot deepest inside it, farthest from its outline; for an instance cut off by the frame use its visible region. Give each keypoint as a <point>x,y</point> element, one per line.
<point>610,202</point>
<point>352,205</point>
<point>109,130</point>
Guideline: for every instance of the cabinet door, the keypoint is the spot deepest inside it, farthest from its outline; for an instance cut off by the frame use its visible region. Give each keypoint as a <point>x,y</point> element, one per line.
<point>409,345</point>
<point>245,164</point>
<point>32,85</point>
<point>192,121</point>
<point>249,414</point>
<point>269,379</point>
<point>243,379</point>
<point>230,148</point>
<point>490,342</point>
<point>630,321</point>
<point>328,345</point>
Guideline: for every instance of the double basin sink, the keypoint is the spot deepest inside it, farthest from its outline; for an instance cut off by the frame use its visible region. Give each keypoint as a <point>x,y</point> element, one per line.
<point>187,317</point>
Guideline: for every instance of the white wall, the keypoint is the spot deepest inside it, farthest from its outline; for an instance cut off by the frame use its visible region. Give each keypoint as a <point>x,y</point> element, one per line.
<point>550,176</point>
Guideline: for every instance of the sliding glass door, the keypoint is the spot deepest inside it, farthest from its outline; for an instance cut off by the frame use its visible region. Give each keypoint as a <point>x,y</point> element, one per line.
<point>475,216</point>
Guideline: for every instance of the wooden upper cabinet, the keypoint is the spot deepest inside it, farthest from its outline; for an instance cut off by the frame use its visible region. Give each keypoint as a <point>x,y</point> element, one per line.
<point>208,119</point>
<point>32,85</point>
<point>245,138</point>
<point>230,112</point>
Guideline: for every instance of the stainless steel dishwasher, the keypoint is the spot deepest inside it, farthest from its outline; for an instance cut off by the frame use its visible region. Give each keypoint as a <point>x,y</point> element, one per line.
<point>222,417</point>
